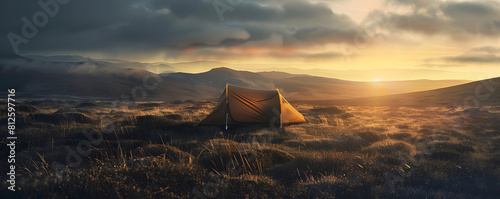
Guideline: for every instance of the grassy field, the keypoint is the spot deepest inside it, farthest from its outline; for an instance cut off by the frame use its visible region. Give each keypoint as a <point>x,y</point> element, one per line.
<point>82,149</point>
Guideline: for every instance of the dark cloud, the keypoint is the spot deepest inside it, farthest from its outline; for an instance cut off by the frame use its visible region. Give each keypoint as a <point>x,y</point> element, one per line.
<point>451,18</point>
<point>149,26</point>
<point>419,23</point>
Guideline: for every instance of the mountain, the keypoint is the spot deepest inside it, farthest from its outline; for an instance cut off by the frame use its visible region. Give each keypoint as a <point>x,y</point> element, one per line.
<point>346,74</point>
<point>382,74</point>
<point>300,87</point>
<point>196,66</point>
<point>479,93</point>
<point>275,69</point>
<point>109,80</point>
<point>278,74</point>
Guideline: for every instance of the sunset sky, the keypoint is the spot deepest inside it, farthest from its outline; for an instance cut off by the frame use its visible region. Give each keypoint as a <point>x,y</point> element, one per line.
<point>459,37</point>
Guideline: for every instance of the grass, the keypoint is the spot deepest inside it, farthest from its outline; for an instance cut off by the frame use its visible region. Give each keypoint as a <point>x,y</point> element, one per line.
<point>153,150</point>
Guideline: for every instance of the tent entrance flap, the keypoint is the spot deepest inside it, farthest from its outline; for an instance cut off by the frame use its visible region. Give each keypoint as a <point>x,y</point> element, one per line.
<point>246,105</point>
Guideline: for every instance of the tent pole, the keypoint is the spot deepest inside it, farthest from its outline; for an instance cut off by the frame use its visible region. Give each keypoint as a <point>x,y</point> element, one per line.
<point>227,102</point>
<point>281,108</point>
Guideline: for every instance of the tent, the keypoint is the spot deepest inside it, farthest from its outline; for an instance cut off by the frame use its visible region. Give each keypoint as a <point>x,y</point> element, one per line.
<point>245,105</point>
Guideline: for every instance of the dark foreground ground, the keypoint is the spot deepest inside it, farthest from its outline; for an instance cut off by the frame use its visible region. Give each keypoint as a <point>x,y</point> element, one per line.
<point>95,149</point>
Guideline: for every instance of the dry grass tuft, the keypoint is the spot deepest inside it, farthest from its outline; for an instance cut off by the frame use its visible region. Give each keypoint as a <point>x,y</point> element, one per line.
<point>389,147</point>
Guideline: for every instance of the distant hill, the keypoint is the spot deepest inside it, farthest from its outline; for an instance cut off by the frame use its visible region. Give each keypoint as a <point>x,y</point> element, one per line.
<point>279,75</point>
<point>394,74</point>
<point>383,74</point>
<point>300,87</point>
<point>482,93</point>
<point>108,80</point>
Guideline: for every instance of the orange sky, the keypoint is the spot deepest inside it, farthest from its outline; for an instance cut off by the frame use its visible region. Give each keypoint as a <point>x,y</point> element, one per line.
<point>391,49</point>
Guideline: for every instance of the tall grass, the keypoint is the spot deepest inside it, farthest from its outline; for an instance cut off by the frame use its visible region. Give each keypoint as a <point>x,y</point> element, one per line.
<point>342,152</point>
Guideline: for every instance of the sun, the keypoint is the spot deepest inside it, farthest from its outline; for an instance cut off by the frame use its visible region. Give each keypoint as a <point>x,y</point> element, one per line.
<point>376,79</point>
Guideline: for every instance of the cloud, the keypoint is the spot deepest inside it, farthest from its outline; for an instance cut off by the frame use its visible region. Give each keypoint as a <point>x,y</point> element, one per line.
<point>416,4</point>
<point>313,57</point>
<point>418,23</point>
<point>484,55</point>
<point>434,65</point>
<point>473,59</point>
<point>478,55</point>
<point>486,49</point>
<point>174,27</point>
<point>326,56</point>
<point>454,19</point>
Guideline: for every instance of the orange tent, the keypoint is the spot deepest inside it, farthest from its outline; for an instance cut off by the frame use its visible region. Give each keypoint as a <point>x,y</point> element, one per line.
<point>245,105</point>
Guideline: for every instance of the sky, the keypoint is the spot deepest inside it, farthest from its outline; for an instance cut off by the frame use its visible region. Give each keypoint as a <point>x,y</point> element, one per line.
<point>461,37</point>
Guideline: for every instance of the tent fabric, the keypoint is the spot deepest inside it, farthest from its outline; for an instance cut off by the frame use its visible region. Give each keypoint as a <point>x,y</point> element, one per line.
<point>244,105</point>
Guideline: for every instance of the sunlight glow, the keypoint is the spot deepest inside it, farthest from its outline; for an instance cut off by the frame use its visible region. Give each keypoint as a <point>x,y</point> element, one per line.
<point>376,79</point>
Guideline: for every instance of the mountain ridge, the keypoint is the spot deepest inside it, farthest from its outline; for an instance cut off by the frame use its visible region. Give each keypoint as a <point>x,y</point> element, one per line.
<point>110,80</point>
<point>478,93</point>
